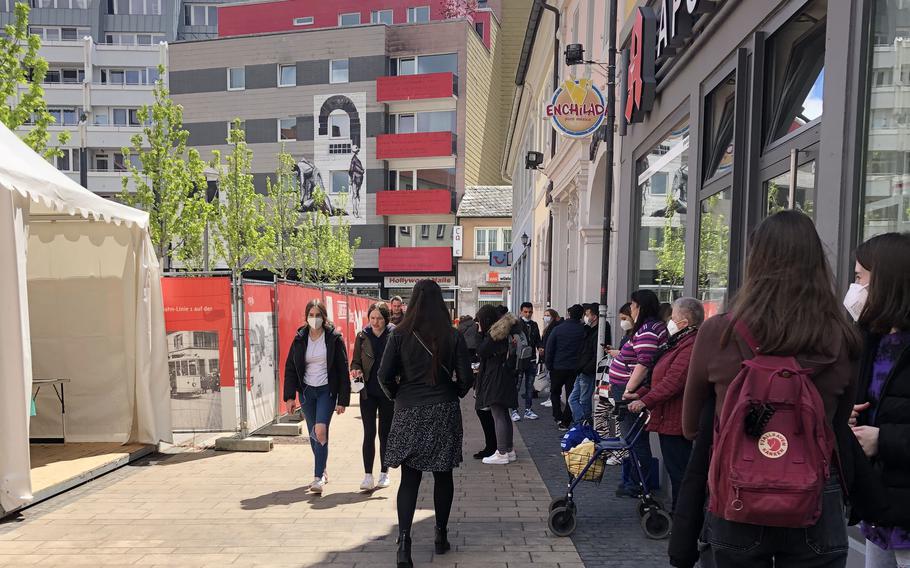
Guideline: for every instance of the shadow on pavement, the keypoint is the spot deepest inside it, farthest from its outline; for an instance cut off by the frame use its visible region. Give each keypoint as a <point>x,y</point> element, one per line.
<point>317,502</point>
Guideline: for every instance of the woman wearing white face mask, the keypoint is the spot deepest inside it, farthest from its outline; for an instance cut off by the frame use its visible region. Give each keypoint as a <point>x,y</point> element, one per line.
<point>880,302</point>
<point>317,372</point>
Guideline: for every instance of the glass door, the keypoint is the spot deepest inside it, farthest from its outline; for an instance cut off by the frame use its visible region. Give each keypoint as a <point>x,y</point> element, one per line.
<point>791,183</point>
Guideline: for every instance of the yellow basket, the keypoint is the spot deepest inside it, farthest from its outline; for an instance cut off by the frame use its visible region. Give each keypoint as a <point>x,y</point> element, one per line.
<point>579,456</point>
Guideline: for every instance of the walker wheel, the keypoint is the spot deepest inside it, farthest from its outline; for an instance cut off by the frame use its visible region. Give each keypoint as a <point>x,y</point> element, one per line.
<point>657,524</point>
<point>648,505</point>
<point>562,521</point>
<point>559,502</point>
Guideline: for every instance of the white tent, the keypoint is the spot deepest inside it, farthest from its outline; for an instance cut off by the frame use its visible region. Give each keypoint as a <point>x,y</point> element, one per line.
<point>80,296</point>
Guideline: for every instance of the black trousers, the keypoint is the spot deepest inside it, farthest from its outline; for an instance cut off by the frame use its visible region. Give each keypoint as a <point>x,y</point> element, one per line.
<point>559,381</point>
<point>443,495</point>
<point>489,429</point>
<point>676,451</point>
<point>370,406</point>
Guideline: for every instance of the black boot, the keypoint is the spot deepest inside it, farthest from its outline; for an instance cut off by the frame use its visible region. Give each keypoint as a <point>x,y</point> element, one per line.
<point>484,453</point>
<point>404,550</point>
<point>442,541</point>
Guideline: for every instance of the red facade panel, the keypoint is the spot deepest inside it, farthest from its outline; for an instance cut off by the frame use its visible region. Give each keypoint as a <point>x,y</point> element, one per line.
<point>419,202</point>
<point>416,145</point>
<point>415,259</point>
<point>414,87</point>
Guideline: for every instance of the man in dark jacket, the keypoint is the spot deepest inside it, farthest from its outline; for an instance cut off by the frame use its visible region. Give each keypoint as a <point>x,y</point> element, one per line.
<point>532,332</point>
<point>561,353</point>
<point>582,396</point>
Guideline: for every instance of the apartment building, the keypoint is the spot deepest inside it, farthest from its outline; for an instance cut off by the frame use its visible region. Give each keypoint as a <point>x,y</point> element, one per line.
<point>103,58</point>
<point>390,108</point>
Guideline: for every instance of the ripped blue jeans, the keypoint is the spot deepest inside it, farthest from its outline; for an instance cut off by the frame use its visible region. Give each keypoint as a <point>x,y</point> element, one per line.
<point>318,404</point>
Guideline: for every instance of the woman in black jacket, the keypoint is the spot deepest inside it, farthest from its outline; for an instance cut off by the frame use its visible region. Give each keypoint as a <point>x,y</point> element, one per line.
<point>422,355</point>
<point>317,371</point>
<point>496,387</point>
<point>880,300</point>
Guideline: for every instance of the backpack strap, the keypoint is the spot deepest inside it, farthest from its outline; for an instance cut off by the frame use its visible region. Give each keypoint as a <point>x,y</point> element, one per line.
<point>743,330</point>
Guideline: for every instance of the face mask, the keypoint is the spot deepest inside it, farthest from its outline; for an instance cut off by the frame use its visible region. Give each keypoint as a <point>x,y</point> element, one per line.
<point>314,323</point>
<point>672,328</point>
<point>525,319</point>
<point>626,325</point>
<point>855,300</point>
<point>547,320</point>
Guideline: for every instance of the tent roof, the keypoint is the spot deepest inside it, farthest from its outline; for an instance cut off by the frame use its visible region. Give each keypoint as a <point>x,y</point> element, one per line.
<point>25,172</point>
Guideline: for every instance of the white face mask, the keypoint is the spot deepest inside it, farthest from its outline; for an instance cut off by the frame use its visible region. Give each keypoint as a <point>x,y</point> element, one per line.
<point>526,318</point>
<point>547,320</point>
<point>672,328</point>
<point>626,325</point>
<point>314,323</point>
<point>855,300</point>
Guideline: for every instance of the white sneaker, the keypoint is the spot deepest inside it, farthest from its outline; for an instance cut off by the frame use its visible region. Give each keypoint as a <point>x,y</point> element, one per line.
<point>513,457</point>
<point>497,459</point>
<point>613,460</point>
<point>531,415</point>
<point>317,485</point>
<point>384,481</point>
<point>547,403</point>
<point>367,483</point>
<point>515,416</point>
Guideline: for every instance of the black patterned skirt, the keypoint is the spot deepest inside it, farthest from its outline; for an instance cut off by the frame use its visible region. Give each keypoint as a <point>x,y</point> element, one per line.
<point>426,438</point>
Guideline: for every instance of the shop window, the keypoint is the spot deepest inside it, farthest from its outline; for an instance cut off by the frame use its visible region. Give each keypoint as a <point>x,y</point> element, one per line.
<point>714,251</point>
<point>885,202</point>
<point>662,224</point>
<point>795,73</point>
<point>719,116</point>
<point>782,193</point>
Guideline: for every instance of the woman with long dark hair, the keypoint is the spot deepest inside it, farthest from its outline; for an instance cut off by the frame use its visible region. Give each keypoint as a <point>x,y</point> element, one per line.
<point>425,369</point>
<point>880,300</point>
<point>496,386</point>
<point>369,346</point>
<point>317,372</point>
<point>787,302</point>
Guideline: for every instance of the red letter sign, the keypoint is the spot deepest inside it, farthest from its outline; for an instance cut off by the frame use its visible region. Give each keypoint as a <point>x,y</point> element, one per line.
<point>640,81</point>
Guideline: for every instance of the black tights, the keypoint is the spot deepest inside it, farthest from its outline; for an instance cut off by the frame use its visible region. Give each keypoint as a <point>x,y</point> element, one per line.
<point>369,406</point>
<point>489,429</point>
<point>443,494</point>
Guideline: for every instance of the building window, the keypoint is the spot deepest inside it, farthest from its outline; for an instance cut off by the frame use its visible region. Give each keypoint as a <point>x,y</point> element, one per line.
<point>661,227</point>
<point>719,115</point>
<point>60,33</point>
<point>340,181</point>
<point>287,129</point>
<point>241,127</point>
<point>402,123</point>
<point>339,125</point>
<point>438,235</point>
<point>102,163</point>
<point>200,15</point>
<point>338,71</point>
<point>882,77</point>
<point>287,75</point>
<point>478,27</point>
<point>352,19</point>
<point>133,39</point>
<point>68,160</point>
<point>440,63</point>
<point>714,251</point>
<point>236,78</point>
<point>65,116</point>
<point>339,149</point>
<point>304,21</point>
<point>75,4</point>
<point>795,73</point>
<point>141,76</point>
<point>126,117</point>
<point>67,76</point>
<point>442,178</point>
<point>419,15</point>
<point>134,7</point>
<point>436,121</point>
<point>386,17</point>
<point>489,239</point>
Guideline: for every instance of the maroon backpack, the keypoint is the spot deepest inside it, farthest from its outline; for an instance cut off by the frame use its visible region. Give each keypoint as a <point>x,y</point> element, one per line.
<point>772,444</point>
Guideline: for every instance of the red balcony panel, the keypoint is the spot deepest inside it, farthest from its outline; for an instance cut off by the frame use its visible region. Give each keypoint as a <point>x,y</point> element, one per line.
<point>419,202</point>
<point>416,145</point>
<point>415,87</point>
<point>415,259</point>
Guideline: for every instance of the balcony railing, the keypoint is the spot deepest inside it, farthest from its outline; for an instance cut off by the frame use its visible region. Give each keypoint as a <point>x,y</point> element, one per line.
<point>415,202</point>
<point>417,87</point>
<point>415,259</point>
<point>416,145</point>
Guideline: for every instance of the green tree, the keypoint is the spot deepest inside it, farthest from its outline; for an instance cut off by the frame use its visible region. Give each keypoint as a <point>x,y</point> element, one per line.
<point>169,183</point>
<point>671,256</point>
<point>241,237</point>
<point>22,71</point>
<point>282,217</point>
<point>328,252</point>
<point>713,245</point>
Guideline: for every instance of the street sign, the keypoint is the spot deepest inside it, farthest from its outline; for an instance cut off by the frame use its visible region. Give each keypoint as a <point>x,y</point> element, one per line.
<point>457,240</point>
<point>500,258</point>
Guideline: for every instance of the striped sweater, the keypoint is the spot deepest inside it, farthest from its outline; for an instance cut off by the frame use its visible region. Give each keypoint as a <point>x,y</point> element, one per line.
<point>641,349</point>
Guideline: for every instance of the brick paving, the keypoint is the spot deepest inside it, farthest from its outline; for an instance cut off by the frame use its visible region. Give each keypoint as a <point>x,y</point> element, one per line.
<point>206,508</point>
<point>608,531</point>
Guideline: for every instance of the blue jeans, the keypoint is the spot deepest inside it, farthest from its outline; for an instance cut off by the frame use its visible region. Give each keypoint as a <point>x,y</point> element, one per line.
<point>528,376</point>
<point>318,404</point>
<point>581,400</point>
<point>642,446</point>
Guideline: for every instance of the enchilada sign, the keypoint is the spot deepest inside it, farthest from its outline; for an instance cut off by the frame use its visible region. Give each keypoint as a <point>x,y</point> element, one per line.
<point>577,108</point>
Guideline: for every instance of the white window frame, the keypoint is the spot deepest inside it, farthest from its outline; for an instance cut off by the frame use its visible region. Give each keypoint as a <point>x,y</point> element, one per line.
<point>341,18</point>
<point>413,11</point>
<point>304,21</point>
<point>332,71</point>
<point>416,232</point>
<point>343,115</point>
<point>500,243</point>
<point>106,155</point>
<point>280,67</point>
<point>74,159</point>
<point>229,87</point>
<point>230,124</point>
<point>294,139</point>
<point>332,190</point>
<point>397,120</point>
<point>376,17</point>
<point>192,15</point>
<point>416,59</point>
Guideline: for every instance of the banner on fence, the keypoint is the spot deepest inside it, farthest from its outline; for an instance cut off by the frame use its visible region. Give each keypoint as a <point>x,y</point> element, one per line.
<point>197,318</point>
<point>260,311</point>
<point>292,301</point>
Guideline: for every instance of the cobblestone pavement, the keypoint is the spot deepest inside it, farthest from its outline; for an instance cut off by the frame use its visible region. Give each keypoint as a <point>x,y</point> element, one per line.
<point>206,508</point>
<point>608,532</point>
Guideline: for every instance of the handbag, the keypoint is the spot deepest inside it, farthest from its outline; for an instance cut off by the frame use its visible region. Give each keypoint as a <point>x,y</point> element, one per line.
<point>542,380</point>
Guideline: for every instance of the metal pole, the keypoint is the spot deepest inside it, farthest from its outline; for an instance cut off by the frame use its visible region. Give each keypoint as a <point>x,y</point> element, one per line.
<point>83,153</point>
<point>241,353</point>
<point>278,394</point>
<point>608,178</point>
<point>553,137</point>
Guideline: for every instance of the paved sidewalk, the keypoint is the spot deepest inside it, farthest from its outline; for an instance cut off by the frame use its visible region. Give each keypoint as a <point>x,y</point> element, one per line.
<point>211,508</point>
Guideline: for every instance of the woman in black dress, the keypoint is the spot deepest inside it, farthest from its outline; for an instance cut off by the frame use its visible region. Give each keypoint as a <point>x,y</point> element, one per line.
<point>425,369</point>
